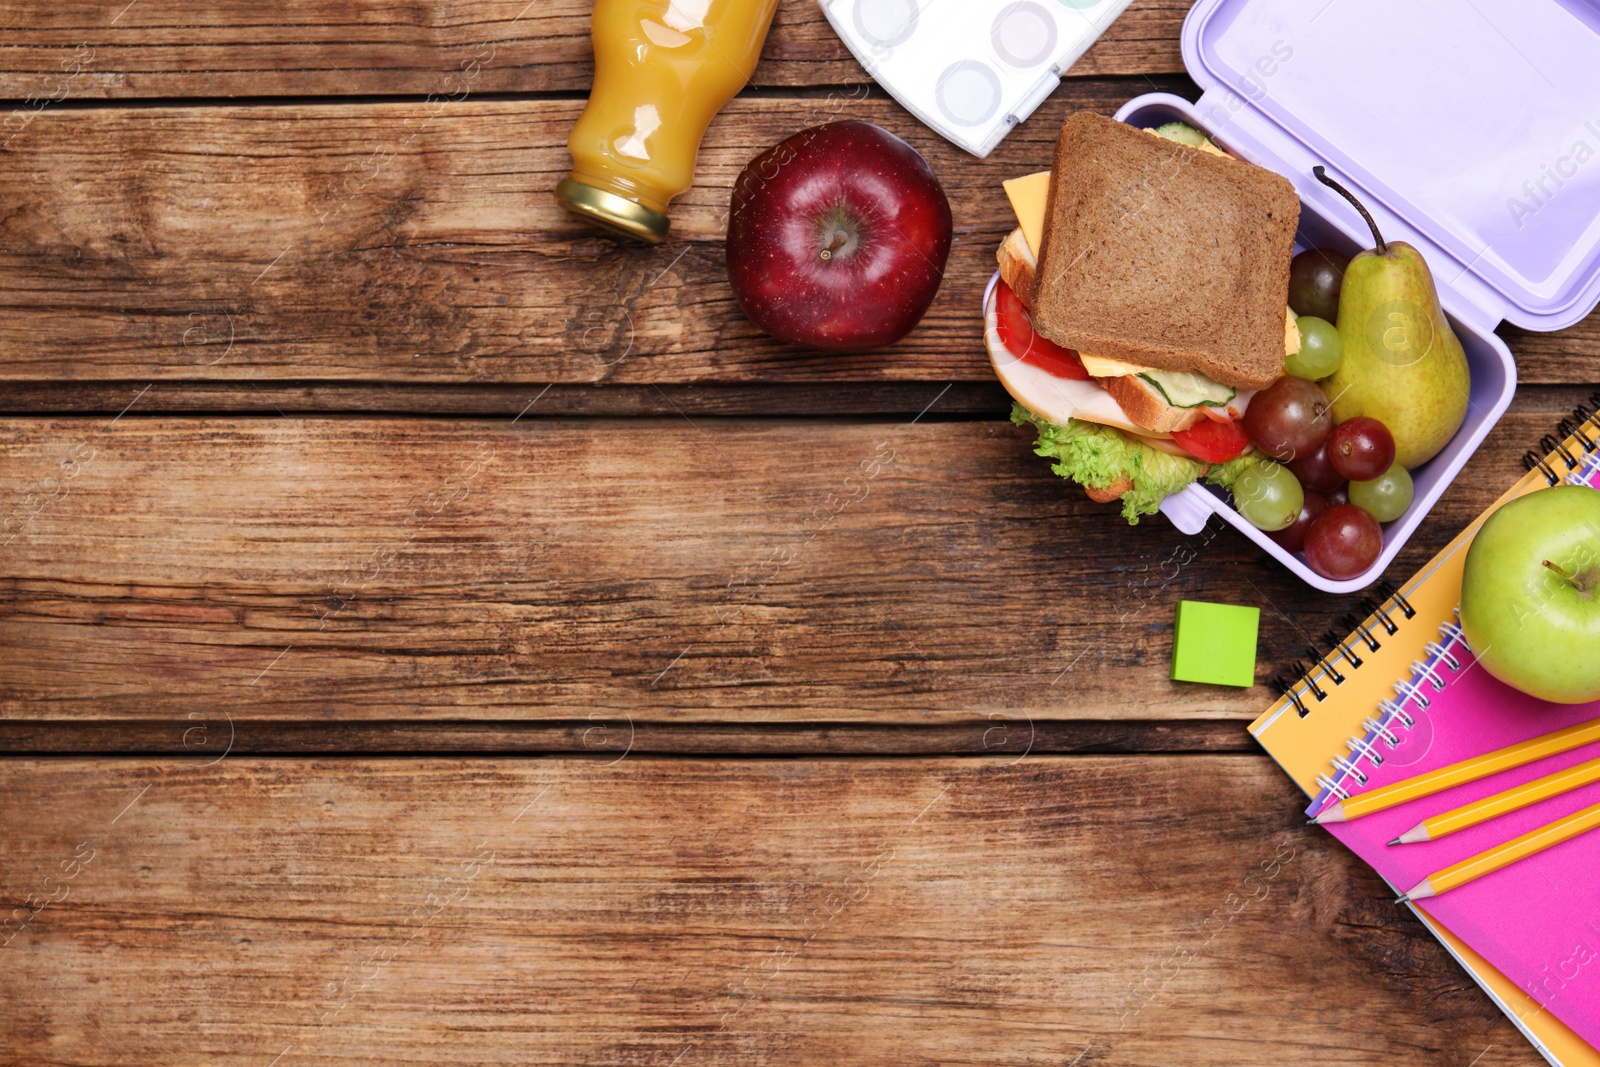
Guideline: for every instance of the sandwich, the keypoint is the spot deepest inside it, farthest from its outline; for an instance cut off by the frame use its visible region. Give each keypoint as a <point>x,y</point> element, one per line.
<point>1142,301</point>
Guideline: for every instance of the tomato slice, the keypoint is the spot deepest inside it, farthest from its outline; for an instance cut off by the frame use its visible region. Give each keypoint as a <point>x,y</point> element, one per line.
<point>1214,442</point>
<point>1018,335</point>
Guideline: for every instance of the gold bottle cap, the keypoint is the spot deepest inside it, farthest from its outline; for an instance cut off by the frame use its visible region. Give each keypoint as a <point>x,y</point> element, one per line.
<point>612,212</point>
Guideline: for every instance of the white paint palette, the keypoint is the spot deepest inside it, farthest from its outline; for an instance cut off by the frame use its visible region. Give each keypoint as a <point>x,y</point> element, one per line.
<point>970,69</point>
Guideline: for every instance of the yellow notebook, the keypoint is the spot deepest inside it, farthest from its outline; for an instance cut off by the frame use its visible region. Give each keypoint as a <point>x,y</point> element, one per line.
<point>1325,717</point>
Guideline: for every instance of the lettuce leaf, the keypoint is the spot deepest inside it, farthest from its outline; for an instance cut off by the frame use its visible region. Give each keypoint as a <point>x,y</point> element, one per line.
<point>1225,474</point>
<point>1095,456</point>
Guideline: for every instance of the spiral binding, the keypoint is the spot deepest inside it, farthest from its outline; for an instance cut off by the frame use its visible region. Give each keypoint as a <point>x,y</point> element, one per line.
<point>1385,732</point>
<point>1302,683</point>
<point>1584,425</point>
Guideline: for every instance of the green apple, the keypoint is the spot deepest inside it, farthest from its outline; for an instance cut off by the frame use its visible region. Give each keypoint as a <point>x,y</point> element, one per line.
<point>1529,601</point>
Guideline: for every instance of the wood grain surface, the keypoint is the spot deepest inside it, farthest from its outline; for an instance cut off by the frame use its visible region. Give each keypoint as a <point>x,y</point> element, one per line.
<point>664,569</point>
<point>324,434</point>
<point>204,243</point>
<point>881,400</point>
<point>1043,912</point>
<point>82,50</point>
<point>598,735</point>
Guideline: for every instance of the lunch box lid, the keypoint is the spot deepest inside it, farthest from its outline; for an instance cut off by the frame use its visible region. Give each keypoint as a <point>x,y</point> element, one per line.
<point>1470,128</point>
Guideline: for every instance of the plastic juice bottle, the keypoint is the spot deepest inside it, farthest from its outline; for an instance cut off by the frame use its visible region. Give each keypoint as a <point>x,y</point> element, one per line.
<point>662,69</point>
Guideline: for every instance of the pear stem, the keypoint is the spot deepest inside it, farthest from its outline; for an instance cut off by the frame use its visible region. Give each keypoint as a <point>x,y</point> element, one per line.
<point>838,242</point>
<point>1381,246</point>
<point>1565,577</point>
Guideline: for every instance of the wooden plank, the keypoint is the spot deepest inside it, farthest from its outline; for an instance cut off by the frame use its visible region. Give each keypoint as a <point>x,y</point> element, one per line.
<point>405,242</point>
<point>602,912</point>
<point>417,243</point>
<point>79,50</point>
<point>880,399</point>
<point>420,243</point>
<point>1570,355</point>
<point>597,736</point>
<point>665,570</point>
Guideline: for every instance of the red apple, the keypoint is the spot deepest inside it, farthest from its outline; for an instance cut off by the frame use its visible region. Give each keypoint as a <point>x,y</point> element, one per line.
<point>837,238</point>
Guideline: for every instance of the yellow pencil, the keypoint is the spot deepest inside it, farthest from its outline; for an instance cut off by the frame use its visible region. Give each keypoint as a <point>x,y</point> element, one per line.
<point>1478,811</point>
<point>1468,770</point>
<point>1579,822</point>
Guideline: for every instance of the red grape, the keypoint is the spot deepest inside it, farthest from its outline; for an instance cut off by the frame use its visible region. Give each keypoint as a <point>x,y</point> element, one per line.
<point>1342,542</point>
<point>1361,448</point>
<point>1339,496</point>
<point>1294,537</point>
<point>1315,278</point>
<point>1316,473</point>
<point>1289,418</point>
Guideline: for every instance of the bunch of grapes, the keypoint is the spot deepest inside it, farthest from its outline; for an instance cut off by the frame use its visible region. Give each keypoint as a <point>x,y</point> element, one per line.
<point>1327,487</point>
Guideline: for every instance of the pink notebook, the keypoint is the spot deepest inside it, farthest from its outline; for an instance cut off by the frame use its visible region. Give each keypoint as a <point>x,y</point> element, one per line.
<point>1538,920</point>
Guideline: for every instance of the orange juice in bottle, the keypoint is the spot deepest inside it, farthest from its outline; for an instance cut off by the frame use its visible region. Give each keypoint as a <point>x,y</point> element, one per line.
<point>662,69</point>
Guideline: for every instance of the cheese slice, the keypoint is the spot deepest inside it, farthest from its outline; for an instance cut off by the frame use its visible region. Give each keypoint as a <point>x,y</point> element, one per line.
<point>1291,333</point>
<point>1028,195</point>
<point>1101,367</point>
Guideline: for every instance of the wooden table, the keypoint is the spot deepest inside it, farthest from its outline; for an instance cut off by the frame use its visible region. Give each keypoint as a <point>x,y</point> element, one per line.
<point>435,634</point>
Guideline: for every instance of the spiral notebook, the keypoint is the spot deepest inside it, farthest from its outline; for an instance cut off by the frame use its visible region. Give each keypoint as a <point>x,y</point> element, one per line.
<point>1384,702</point>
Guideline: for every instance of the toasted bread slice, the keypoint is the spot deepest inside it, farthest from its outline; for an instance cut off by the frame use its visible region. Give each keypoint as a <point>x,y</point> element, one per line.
<point>1161,255</point>
<point>1144,404</point>
<point>1017,265</point>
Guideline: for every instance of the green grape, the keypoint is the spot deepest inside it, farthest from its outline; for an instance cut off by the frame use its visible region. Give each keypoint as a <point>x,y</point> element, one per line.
<point>1321,349</point>
<point>1385,497</point>
<point>1268,496</point>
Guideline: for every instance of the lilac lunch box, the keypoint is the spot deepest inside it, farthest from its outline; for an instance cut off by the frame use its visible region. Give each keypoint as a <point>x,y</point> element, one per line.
<point>1470,131</point>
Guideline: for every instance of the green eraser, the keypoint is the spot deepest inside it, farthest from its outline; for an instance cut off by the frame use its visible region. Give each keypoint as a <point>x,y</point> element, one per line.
<point>1215,643</point>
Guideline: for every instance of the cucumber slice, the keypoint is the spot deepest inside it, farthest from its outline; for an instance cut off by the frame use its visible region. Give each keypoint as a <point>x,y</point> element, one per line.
<point>1187,389</point>
<point>1183,133</point>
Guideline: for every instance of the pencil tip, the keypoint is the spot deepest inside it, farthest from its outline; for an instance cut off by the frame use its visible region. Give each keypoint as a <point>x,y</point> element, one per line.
<point>1403,899</point>
<point>1397,841</point>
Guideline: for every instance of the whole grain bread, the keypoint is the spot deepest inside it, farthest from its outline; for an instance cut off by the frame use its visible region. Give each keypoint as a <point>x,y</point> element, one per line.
<point>1162,255</point>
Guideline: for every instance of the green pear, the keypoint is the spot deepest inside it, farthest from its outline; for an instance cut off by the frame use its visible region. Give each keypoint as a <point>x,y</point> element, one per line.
<point>1403,364</point>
